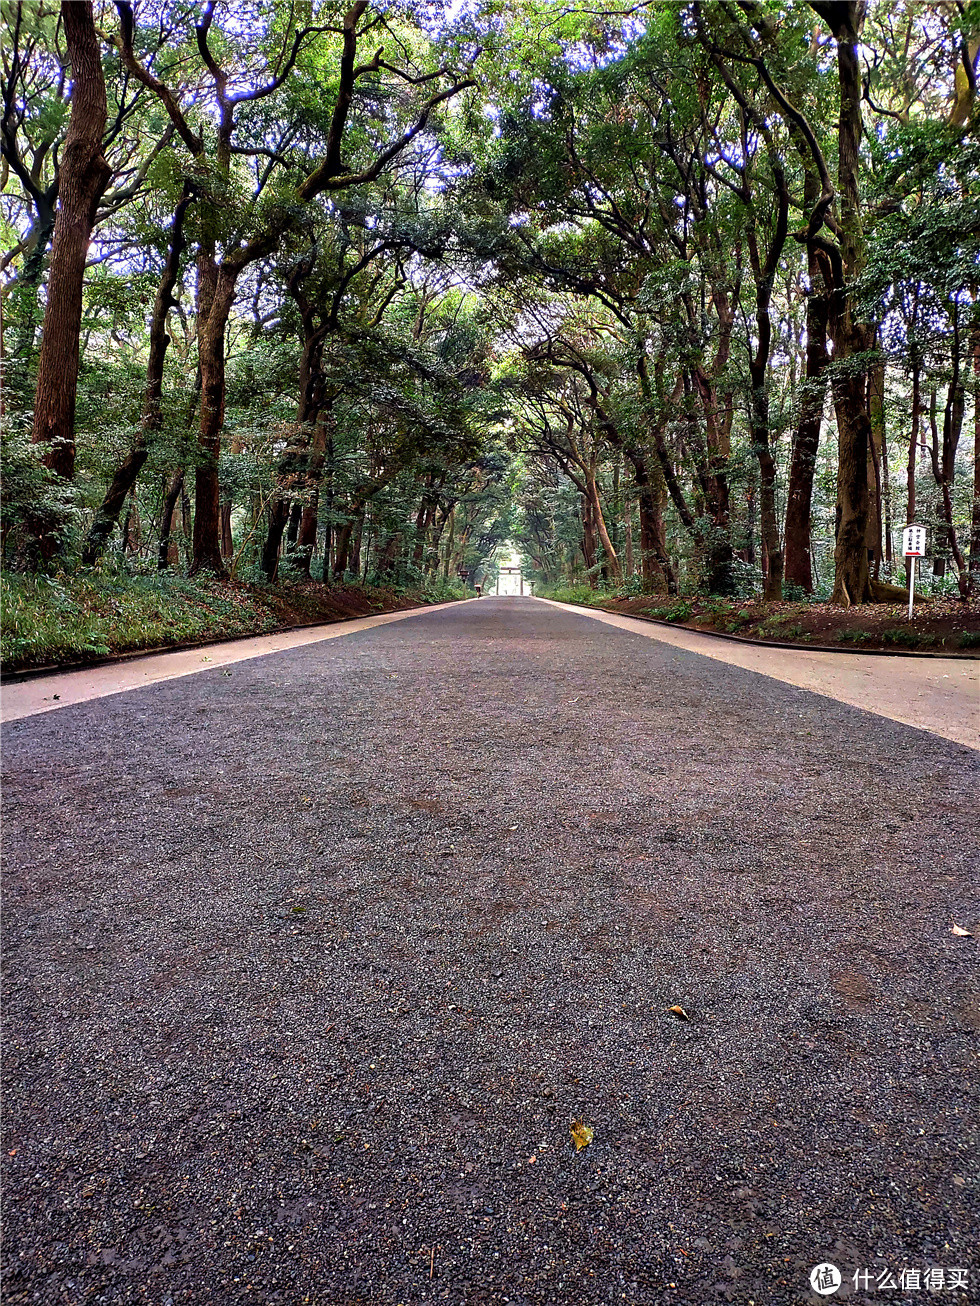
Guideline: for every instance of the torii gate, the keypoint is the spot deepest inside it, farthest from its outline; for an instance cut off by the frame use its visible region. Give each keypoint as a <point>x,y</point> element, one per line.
<point>510,571</point>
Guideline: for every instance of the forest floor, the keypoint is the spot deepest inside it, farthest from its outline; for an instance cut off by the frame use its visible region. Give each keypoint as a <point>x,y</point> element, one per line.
<point>940,625</point>
<point>310,968</point>
<point>65,621</point>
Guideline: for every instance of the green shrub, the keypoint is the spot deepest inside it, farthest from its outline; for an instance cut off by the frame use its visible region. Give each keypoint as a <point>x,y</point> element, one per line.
<point>679,611</point>
<point>908,638</point>
<point>436,589</point>
<point>630,588</point>
<point>774,622</point>
<point>573,594</point>
<point>970,639</point>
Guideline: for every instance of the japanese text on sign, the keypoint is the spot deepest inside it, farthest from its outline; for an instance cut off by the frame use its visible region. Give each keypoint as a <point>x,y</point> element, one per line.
<point>914,541</point>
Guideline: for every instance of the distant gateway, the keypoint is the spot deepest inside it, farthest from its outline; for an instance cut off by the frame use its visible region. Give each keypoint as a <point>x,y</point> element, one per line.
<point>512,579</point>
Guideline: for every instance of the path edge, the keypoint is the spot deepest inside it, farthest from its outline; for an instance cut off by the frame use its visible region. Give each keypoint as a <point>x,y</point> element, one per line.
<point>63,668</point>
<point>965,656</point>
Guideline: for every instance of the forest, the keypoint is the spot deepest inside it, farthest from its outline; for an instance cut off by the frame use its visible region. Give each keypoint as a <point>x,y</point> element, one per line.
<point>668,298</point>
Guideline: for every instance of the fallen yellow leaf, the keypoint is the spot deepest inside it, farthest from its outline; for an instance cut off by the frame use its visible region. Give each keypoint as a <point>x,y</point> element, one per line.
<point>961,933</point>
<point>582,1135</point>
<point>679,1012</point>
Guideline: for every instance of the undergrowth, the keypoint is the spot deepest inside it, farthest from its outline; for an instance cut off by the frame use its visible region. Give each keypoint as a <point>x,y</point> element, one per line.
<point>63,619</point>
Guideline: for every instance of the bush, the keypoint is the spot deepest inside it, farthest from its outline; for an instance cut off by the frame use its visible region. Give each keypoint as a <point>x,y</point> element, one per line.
<point>681,610</point>
<point>436,589</point>
<point>970,639</point>
<point>908,638</point>
<point>631,588</point>
<point>747,579</point>
<point>32,495</point>
<point>583,594</point>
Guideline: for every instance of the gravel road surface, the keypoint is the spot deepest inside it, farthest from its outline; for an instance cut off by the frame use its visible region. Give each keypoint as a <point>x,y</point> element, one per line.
<point>941,695</point>
<point>311,961</point>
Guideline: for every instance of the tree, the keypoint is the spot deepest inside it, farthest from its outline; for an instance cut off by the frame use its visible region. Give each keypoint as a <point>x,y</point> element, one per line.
<point>83,176</point>
<point>218,273</point>
<point>127,473</point>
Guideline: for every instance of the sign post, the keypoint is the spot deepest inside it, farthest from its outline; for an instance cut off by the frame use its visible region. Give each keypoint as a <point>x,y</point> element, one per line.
<point>913,546</point>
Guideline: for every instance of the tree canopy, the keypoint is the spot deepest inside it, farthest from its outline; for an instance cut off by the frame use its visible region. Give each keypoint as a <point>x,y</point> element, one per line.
<point>670,297</point>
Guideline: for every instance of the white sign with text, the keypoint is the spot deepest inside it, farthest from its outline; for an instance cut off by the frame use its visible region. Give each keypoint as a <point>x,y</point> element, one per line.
<point>914,541</point>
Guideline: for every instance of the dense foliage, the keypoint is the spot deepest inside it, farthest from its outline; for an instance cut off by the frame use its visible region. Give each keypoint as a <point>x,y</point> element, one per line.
<point>669,297</point>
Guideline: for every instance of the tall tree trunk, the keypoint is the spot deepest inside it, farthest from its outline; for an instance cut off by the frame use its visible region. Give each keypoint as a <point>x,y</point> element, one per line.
<point>186,519</point>
<point>599,520</point>
<point>386,563</point>
<point>656,571</point>
<point>278,517</point>
<point>292,530</point>
<point>799,500</point>
<point>227,542</point>
<point>355,548</point>
<point>944,457</point>
<point>170,503</point>
<point>750,505</point>
<point>133,532</point>
<point>368,541</point>
<point>82,179</point>
<point>435,544</point>
<point>588,539</point>
<point>342,549</point>
<point>769,525</point>
<point>880,428</point>
<point>322,447</point>
<point>422,519</point>
<point>211,352</point>
<point>879,517</point>
<point>910,503</point>
<point>852,336</point>
<point>665,479</point>
<point>975,515</point>
<point>329,527</point>
<point>449,543</point>
<point>764,274</point>
<point>306,539</point>
<point>715,546</point>
<point>128,472</point>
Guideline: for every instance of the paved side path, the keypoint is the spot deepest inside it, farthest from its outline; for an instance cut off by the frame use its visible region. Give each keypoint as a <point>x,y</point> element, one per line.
<point>311,960</point>
<point>937,694</point>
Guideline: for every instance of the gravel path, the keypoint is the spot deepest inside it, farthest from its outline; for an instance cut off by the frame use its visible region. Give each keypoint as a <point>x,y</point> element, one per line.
<point>941,695</point>
<point>53,691</point>
<point>311,960</point>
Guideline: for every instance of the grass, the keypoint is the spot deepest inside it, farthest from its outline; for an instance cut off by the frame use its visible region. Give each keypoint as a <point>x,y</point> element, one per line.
<point>59,620</point>
<point>94,614</point>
